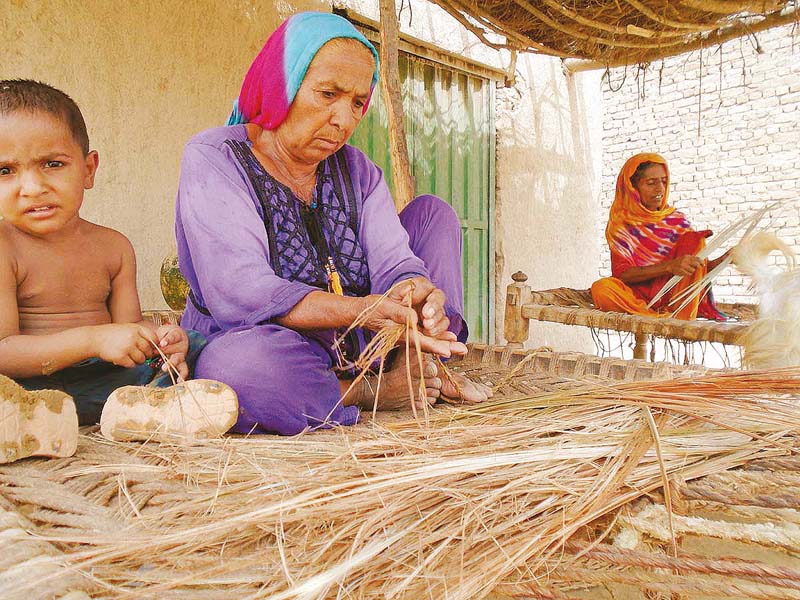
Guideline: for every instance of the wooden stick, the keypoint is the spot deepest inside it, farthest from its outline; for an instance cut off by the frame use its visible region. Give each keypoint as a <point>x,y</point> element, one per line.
<point>390,88</point>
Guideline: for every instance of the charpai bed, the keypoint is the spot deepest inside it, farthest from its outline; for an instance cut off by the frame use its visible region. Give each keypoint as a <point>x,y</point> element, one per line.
<point>574,307</point>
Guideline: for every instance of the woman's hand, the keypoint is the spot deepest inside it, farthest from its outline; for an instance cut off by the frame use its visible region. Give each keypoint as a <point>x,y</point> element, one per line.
<point>434,320</point>
<point>428,303</point>
<point>684,265</point>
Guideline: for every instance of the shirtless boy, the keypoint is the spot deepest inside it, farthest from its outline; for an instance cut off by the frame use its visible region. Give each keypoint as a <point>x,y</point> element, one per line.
<point>70,317</point>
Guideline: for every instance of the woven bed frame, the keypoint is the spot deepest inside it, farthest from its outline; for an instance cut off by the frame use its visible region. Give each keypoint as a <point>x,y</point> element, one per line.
<point>76,497</point>
<point>574,307</point>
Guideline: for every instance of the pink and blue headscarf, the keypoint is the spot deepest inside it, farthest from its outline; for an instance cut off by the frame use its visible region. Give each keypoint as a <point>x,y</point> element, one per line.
<point>275,76</point>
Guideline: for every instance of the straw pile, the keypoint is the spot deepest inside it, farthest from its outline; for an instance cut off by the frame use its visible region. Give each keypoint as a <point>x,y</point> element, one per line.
<point>514,497</point>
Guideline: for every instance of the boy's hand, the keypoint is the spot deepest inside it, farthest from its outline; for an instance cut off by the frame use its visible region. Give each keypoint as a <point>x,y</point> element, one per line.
<point>124,344</point>
<point>173,341</point>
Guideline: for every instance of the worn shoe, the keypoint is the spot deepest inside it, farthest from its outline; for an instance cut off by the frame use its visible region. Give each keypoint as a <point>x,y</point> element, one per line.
<point>40,423</point>
<point>196,409</point>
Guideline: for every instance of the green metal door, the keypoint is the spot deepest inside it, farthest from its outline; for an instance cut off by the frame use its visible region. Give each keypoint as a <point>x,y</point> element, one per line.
<point>449,124</point>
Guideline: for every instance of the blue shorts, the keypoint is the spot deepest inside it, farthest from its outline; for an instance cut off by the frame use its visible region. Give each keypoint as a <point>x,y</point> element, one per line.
<point>91,381</point>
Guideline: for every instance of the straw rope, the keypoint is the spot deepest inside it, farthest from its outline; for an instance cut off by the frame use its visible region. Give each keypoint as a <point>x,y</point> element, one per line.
<point>516,496</point>
<point>21,557</point>
<point>754,570</point>
<point>653,522</point>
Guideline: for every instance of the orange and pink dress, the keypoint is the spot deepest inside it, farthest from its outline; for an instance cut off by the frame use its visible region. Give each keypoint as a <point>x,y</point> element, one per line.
<point>638,237</point>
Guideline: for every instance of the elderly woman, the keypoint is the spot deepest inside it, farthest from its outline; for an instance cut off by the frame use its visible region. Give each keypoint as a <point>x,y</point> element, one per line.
<point>651,242</point>
<point>286,235</point>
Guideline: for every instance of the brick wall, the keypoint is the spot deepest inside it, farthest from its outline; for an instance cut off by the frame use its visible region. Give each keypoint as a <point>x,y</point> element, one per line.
<point>727,120</point>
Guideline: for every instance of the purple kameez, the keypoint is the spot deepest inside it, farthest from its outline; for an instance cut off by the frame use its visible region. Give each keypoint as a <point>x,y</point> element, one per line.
<point>285,379</point>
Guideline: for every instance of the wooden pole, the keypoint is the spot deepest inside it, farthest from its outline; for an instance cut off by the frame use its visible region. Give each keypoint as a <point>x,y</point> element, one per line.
<point>517,327</point>
<point>390,89</point>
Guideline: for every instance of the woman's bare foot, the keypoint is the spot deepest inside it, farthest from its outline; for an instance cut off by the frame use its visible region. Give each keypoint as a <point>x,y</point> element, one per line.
<point>394,390</point>
<point>459,389</point>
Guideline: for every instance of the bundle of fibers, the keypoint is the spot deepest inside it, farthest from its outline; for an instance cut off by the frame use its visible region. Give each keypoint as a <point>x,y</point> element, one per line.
<point>472,501</point>
<point>773,340</point>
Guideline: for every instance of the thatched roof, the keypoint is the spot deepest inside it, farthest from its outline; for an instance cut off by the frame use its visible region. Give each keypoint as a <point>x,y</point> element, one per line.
<point>616,32</point>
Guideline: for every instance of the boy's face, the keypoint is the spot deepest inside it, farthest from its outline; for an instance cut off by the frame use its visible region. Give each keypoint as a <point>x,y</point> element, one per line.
<point>43,173</point>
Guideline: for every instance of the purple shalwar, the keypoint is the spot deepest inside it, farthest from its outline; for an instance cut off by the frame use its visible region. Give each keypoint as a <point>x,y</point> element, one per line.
<point>251,251</point>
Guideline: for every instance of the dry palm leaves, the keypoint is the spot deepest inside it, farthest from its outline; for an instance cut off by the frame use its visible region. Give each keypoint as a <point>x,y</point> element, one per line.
<point>613,32</point>
<point>743,227</point>
<point>480,498</point>
<point>383,342</point>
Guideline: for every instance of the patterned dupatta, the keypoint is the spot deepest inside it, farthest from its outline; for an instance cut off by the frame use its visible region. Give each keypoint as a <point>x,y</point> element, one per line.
<point>639,237</point>
<point>271,83</point>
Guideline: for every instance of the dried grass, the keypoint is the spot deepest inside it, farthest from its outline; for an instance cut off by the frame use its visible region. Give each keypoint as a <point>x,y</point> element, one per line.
<point>481,496</point>
<point>381,345</point>
<point>773,340</point>
<point>615,33</point>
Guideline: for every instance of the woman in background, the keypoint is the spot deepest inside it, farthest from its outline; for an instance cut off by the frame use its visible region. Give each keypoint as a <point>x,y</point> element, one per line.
<point>650,242</point>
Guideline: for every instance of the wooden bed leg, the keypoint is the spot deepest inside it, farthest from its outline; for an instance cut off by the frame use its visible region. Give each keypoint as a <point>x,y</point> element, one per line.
<point>640,346</point>
<point>516,327</point>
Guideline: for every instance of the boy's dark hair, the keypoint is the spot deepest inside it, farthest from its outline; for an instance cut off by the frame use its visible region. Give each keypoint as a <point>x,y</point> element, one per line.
<point>26,95</point>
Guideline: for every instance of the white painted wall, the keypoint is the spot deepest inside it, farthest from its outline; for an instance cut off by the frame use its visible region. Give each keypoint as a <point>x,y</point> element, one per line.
<point>548,175</point>
<point>728,122</point>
